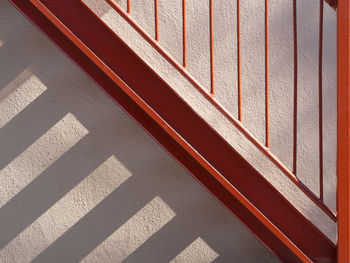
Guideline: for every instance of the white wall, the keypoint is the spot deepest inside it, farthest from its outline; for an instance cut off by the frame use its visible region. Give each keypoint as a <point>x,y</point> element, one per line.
<point>80,181</point>
<point>253,89</point>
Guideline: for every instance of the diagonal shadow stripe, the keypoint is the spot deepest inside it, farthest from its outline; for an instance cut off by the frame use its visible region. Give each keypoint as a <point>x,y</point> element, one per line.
<point>49,187</point>
<point>18,134</point>
<point>166,244</point>
<point>10,66</point>
<point>98,224</point>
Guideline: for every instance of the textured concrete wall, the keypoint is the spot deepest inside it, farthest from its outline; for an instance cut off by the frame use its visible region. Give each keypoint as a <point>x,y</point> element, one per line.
<point>80,181</point>
<point>253,89</point>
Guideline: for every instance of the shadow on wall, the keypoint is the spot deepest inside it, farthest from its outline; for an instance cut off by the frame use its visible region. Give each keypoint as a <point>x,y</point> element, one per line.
<point>80,181</point>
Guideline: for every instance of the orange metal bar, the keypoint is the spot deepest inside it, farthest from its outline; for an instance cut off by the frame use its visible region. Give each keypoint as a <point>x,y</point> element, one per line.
<point>343,119</point>
<point>128,7</point>
<point>184,41</point>
<point>320,97</point>
<point>211,48</point>
<point>267,136</point>
<point>239,60</point>
<point>295,113</point>
<point>156,20</point>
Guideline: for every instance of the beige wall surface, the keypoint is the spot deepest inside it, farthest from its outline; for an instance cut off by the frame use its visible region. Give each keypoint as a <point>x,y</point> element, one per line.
<point>80,181</point>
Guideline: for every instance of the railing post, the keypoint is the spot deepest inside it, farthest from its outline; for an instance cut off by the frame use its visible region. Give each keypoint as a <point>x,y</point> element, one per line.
<point>343,119</point>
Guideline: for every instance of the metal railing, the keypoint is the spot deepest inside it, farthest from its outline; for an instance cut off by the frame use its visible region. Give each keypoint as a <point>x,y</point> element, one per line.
<point>210,95</point>
<point>343,100</point>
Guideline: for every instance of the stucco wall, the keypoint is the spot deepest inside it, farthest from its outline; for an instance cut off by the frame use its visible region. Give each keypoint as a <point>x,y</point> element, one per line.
<point>253,89</point>
<point>80,181</point>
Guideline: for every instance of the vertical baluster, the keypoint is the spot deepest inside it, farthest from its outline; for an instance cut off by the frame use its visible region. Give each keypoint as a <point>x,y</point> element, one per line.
<point>320,99</point>
<point>156,20</point>
<point>239,60</point>
<point>267,75</point>
<point>184,55</point>
<point>211,48</point>
<point>128,10</point>
<point>295,110</point>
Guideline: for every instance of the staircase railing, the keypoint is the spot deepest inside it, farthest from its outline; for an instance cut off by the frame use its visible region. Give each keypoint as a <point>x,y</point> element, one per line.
<point>240,122</point>
<point>342,217</point>
<point>343,141</point>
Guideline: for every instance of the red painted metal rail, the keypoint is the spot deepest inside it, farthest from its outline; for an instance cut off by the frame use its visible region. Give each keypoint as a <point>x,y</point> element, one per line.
<point>317,198</point>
